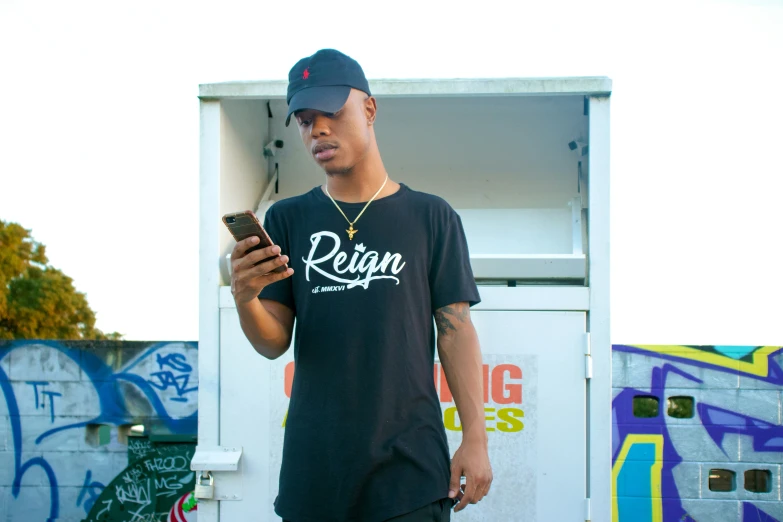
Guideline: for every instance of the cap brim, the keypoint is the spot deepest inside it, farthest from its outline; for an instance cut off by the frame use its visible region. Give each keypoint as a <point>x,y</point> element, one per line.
<point>329,98</point>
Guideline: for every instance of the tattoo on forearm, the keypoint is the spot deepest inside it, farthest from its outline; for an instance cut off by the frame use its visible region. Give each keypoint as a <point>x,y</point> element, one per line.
<point>448,316</point>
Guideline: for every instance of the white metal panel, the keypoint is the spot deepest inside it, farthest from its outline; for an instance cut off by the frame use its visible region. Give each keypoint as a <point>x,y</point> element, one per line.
<point>540,471</point>
<point>518,230</point>
<point>209,327</point>
<point>244,131</point>
<point>458,149</point>
<point>600,388</point>
<point>528,266</point>
<point>245,421</point>
<point>276,89</point>
<point>560,298</point>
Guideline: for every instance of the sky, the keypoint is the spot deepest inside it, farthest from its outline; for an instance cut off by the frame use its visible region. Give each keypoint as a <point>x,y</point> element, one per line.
<point>99,137</point>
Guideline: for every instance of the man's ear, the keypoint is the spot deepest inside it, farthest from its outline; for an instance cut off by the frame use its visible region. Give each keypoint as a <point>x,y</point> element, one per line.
<point>370,109</point>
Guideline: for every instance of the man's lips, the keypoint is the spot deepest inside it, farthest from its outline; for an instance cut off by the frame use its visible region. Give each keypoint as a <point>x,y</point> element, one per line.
<point>324,151</point>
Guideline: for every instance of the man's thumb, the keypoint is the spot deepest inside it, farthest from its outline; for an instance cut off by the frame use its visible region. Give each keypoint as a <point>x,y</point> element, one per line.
<point>454,483</point>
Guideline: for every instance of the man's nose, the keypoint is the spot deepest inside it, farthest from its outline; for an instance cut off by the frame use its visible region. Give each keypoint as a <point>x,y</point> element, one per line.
<point>320,125</point>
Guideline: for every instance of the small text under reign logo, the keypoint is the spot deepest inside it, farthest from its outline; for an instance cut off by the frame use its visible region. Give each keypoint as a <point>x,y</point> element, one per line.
<point>320,289</point>
<point>365,267</point>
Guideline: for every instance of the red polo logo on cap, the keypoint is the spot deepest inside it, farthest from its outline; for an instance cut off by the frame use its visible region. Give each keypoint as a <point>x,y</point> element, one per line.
<point>306,73</point>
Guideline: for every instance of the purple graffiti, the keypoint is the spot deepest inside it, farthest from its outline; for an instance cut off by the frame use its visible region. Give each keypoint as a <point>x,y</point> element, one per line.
<point>744,364</point>
<point>718,422</point>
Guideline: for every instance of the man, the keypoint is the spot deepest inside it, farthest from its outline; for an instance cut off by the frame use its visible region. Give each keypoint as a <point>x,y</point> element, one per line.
<point>371,261</point>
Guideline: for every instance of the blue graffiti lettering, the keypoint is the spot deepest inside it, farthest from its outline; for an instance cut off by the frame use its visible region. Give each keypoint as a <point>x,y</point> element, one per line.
<point>92,489</point>
<point>106,384</point>
<point>166,379</point>
<point>51,396</point>
<point>35,385</point>
<point>175,361</point>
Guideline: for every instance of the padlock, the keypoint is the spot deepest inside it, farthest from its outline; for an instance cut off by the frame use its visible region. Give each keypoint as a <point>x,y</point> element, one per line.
<point>204,491</point>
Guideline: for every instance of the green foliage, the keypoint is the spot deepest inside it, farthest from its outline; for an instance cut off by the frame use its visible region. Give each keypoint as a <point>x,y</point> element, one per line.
<point>38,301</point>
<point>645,406</point>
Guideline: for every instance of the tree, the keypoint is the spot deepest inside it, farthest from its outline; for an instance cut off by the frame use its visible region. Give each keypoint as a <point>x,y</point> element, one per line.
<point>38,301</point>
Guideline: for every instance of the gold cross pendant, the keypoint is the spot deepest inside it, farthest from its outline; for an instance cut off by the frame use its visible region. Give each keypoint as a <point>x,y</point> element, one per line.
<point>351,232</point>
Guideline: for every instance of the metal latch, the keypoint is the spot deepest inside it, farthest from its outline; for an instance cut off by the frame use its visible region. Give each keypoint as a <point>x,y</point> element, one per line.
<point>215,458</point>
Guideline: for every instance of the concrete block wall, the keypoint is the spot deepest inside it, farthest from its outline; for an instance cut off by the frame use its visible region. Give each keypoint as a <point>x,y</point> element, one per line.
<point>669,467</point>
<point>66,409</point>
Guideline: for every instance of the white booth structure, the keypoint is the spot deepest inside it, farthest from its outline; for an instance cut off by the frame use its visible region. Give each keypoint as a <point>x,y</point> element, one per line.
<point>525,162</point>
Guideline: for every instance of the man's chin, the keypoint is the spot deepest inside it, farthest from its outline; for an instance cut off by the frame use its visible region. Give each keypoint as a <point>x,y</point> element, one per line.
<point>333,169</point>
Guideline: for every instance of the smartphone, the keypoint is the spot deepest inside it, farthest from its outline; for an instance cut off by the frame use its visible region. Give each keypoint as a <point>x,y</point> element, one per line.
<point>243,225</point>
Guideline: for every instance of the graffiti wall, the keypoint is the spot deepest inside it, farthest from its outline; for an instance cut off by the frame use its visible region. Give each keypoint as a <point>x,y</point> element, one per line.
<point>66,411</point>
<point>697,433</point>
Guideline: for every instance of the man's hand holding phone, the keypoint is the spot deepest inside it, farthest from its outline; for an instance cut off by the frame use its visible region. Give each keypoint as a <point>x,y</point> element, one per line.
<point>249,275</point>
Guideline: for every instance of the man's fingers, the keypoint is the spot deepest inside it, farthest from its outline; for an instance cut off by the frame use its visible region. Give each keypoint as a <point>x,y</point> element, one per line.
<point>273,277</point>
<point>486,483</point>
<point>251,259</point>
<point>242,246</point>
<point>469,496</point>
<point>267,266</point>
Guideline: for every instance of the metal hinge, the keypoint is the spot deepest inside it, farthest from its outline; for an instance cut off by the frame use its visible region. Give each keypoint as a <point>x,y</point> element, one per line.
<point>588,515</point>
<point>588,357</point>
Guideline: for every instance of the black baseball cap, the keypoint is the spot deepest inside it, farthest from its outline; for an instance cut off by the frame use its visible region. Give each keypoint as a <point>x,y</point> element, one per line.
<point>323,82</point>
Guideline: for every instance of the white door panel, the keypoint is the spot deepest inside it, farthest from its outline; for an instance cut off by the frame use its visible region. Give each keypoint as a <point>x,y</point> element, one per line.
<point>535,411</point>
<point>539,470</point>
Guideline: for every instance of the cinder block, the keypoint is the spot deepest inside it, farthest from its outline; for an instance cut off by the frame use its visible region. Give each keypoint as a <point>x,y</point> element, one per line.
<point>56,398</point>
<point>69,511</point>
<point>78,399</point>
<point>72,467</point>
<point>749,454</point>
<point>761,404</point>
<point>687,477</point>
<point>638,371</point>
<point>119,463</point>
<point>33,428</point>
<point>40,362</point>
<point>774,493</point>
<point>713,510</point>
<point>714,377</point>
<point>33,503</point>
<point>706,493</point>
<point>694,444</point>
<point>670,392</point>
<point>6,433</point>
<point>620,369</point>
<point>7,468</point>
<point>773,509</point>
<point>34,476</point>
<point>753,382</point>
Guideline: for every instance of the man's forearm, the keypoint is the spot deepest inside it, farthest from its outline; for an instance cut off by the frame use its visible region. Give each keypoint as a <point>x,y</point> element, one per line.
<point>460,355</point>
<point>268,335</point>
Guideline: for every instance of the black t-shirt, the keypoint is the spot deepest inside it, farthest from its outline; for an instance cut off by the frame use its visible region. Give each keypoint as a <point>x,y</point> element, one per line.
<point>364,437</point>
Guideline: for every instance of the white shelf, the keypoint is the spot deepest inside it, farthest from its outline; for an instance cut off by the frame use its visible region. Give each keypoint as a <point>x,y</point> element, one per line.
<point>566,298</point>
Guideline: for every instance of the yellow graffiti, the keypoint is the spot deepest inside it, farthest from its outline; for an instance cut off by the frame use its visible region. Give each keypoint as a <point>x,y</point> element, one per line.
<point>506,420</point>
<point>655,474</point>
<point>759,365</point>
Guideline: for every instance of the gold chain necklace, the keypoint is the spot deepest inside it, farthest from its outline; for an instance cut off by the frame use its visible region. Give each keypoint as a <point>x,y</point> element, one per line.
<point>351,231</point>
